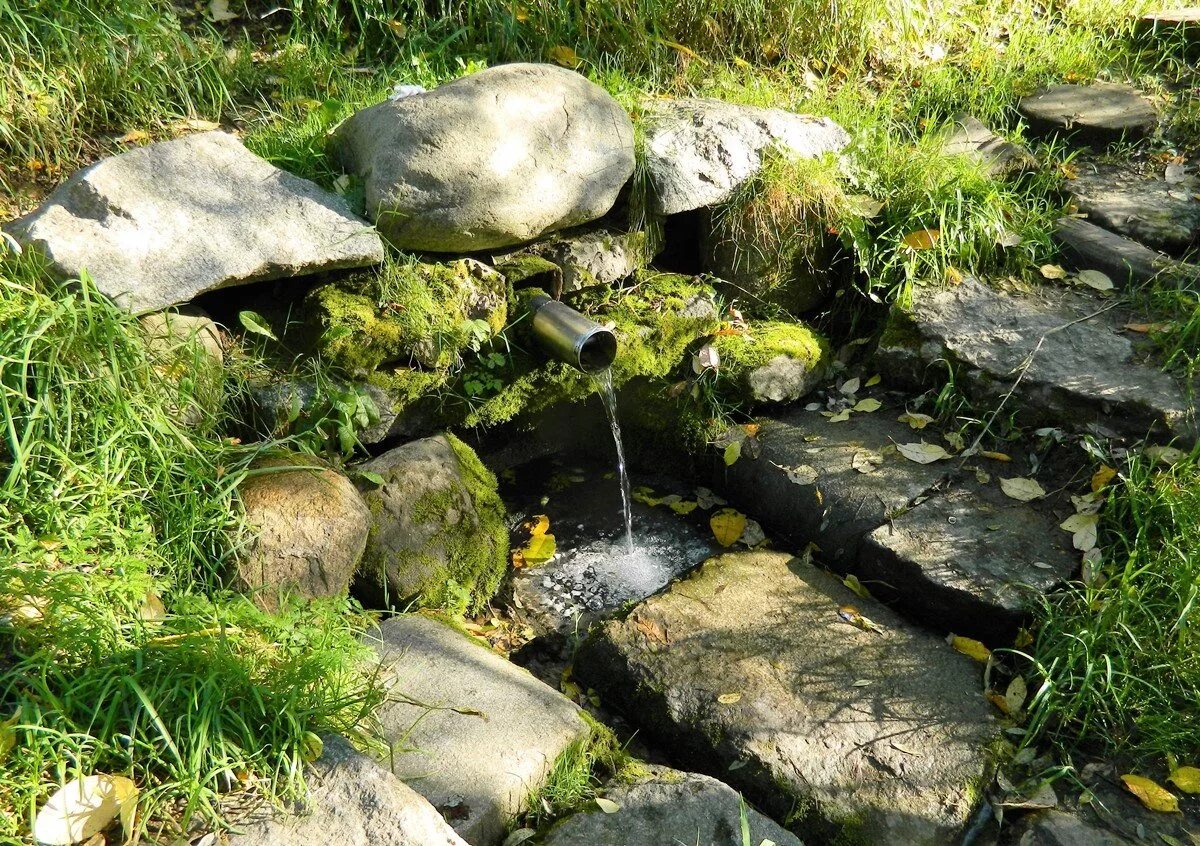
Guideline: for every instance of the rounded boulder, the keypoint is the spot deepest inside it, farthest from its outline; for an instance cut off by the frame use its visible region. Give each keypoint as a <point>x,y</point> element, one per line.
<point>490,160</point>
<point>309,528</point>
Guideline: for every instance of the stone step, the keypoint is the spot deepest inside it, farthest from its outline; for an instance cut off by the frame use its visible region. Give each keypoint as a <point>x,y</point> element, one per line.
<point>1125,261</point>
<point>1076,366</point>
<point>750,668</point>
<point>1002,159</point>
<point>948,551</point>
<point>665,806</point>
<point>1146,206</point>
<point>471,732</point>
<point>1182,22</point>
<point>1097,114</point>
<point>352,801</point>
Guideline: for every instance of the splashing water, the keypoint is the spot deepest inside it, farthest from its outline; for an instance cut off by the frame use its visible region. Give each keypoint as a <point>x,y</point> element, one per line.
<point>604,386</point>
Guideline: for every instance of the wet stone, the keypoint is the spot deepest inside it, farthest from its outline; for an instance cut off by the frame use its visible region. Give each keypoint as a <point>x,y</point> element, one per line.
<point>872,733</point>
<point>1084,371</point>
<point>1123,260</point>
<point>825,499</point>
<point>970,560</point>
<point>471,732</point>
<point>1100,113</point>
<point>1163,215</point>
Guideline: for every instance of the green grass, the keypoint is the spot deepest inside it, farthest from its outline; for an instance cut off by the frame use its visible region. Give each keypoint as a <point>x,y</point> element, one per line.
<point>1119,658</point>
<point>107,507</point>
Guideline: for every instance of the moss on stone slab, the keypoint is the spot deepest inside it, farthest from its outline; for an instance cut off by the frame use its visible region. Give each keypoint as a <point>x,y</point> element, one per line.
<point>655,322</point>
<point>771,361</point>
<point>409,311</point>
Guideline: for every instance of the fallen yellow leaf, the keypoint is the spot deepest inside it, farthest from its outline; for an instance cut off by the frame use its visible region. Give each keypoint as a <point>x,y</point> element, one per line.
<point>84,806</point>
<point>1022,490</point>
<point>915,421</point>
<point>922,239</point>
<point>1102,477</point>
<point>1186,779</point>
<point>565,56</point>
<point>729,698</point>
<point>727,526</point>
<point>1153,796</point>
<point>867,405</point>
<point>969,647</point>
<point>851,581</point>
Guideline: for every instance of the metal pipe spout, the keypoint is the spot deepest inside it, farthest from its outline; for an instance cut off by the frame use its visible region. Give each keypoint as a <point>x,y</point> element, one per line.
<point>568,335</point>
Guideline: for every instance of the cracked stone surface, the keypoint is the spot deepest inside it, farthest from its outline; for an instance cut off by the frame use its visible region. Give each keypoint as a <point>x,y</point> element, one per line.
<point>1145,207</point>
<point>159,225</point>
<point>1100,113</point>
<point>668,807</point>
<point>879,733</point>
<point>1121,259</point>
<point>489,160</point>
<point>471,732</point>
<point>840,505</point>
<point>1086,371</point>
<point>698,151</point>
<point>969,560</point>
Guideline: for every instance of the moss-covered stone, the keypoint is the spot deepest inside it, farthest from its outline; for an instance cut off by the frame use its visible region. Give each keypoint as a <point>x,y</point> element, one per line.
<point>655,322</point>
<point>411,311</point>
<point>439,532</point>
<point>772,361</point>
<point>523,270</point>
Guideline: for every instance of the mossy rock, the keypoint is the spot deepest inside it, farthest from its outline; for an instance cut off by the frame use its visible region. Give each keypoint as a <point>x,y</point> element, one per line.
<point>772,361</point>
<point>410,312</point>
<point>655,321</point>
<point>439,532</point>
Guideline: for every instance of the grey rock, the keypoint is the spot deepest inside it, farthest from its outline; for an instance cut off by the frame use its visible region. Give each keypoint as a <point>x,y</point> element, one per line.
<point>875,736</point>
<point>590,257</point>
<point>669,807</point>
<point>1145,208</point>
<point>973,138</point>
<point>1122,259</point>
<point>473,733</point>
<point>159,225</point>
<point>352,801</point>
<point>489,160</point>
<point>1064,828</point>
<point>168,331</point>
<point>970,560</point>
<point>1100,113</point>
<point>308,530</point>
<point>436,517</point>
<point>841,506</point>
<point>698,151</point>
<point>1084,372</point>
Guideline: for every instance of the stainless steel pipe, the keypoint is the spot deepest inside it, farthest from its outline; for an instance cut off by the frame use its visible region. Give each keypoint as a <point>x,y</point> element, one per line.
<point>571,337</point>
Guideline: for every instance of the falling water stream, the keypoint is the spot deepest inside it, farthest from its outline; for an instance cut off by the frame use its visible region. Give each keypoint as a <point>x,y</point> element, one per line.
<point>604,386</point>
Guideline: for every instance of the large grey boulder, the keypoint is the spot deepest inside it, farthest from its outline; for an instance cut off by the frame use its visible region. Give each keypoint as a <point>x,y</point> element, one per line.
<point>489,160</point>
<point>439,531</point>
<point>862,733</point>
<point>1145,207</point>
<point>698,151</point>
<point>474,734</point>
<point>159,225</point>
<point>666,806</point>
<point>1100,113</point>
<point>1076,367</point>
<point>308,529</point>
<point>352,801</point>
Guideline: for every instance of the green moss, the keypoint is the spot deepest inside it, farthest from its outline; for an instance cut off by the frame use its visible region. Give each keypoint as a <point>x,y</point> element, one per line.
<point>409,311</point>
<point>404,386</point>
<point>762,342</point>
<point>523,270</point>
<point>655,322</point>
<point>900,331</point>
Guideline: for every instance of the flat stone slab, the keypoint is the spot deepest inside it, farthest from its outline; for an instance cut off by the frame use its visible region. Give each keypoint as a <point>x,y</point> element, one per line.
<point>804,485</point>
<point>973,138</point>
<point>669,807</point>
<point>1143,206</point>
<point>352,801</point>
<point>1085,371</point>
<point>472,733</point>
<point>1099,113</point>
<point>159,225</point>
<point>970,560</point>
<point>875,734</point>
<point>698,151</point>
<point>1123,260</point>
